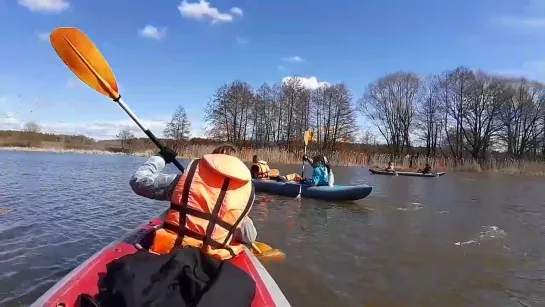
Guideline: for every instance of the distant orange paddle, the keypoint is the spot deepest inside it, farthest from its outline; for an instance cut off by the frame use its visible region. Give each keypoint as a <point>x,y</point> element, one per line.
<point>306,138</point>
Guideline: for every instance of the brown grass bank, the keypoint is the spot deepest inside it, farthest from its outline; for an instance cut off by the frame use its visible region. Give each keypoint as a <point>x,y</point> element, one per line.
<point>339,158</point>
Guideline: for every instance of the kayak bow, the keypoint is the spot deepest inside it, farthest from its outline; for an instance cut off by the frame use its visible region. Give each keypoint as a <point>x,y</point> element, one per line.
<point>85,277</point>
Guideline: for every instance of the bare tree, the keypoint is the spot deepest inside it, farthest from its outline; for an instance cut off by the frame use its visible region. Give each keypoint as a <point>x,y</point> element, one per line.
<point>32,127</point>
<point>296,108</point>
<point>228,112</point>
<point>479,119</point>
<point>390,103</point>
<point>430,116</point>
<point>454,87</point>
<point>522,105</point>
<point>178,129</point>
<point>334,116</point>
<point>127,137</point>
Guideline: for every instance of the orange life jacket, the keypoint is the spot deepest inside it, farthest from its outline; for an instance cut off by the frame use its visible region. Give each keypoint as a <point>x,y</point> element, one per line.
<point>264,169</point>
<point>208,203</point>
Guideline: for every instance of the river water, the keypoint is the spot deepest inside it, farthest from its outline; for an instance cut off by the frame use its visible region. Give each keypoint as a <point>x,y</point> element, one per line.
<point>457,240</point>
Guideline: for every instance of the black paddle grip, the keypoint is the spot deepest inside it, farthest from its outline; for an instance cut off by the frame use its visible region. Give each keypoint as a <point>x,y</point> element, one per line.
<point>161,146</point>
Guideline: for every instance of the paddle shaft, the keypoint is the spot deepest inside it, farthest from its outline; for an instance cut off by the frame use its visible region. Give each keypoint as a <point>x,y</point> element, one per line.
<point>303,167</point>
<point>150,134</point>
<point>302,171</point>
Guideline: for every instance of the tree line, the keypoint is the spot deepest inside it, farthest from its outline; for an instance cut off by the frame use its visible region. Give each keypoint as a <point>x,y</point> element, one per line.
<point>277,115</point>
<point>458,113</point>
<point>31,136</point>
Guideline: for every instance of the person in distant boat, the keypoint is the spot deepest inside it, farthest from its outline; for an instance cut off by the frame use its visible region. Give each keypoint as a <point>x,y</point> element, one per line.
<point>260,169</point>
<point>209,206</point>
<point>289,177</point>
<point>391,167</point>
<point>426,170</point>
<point>322,175</point>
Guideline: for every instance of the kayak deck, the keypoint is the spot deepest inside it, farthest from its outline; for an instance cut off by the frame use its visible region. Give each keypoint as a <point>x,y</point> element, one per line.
<point>334,193</point>
<point>85,277</point>
<point>412,174</point>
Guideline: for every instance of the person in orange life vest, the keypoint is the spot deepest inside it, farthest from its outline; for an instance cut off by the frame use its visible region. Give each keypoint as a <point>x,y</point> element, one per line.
<point>259,169</point>
<point>216,188</point>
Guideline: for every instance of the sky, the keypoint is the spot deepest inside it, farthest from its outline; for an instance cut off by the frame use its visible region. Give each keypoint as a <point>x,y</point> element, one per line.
<point>168,53</point>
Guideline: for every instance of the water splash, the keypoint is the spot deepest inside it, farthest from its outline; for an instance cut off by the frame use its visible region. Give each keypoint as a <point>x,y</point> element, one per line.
<point>410,207</point>
<point>489,233</point>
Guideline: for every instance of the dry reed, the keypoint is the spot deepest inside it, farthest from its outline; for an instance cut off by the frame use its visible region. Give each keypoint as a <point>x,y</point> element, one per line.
<point>344,158</point>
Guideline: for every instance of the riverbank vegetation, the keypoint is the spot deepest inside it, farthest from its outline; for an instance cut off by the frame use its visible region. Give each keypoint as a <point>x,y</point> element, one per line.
<point>458,120</point>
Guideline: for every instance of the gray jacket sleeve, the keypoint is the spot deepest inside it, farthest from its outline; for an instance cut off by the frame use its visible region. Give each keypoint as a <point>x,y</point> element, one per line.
<point>148,181</point>
<point>246,232</point>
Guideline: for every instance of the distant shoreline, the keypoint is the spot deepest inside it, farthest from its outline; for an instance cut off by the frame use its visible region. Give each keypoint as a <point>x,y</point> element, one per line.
<point>146,153</point>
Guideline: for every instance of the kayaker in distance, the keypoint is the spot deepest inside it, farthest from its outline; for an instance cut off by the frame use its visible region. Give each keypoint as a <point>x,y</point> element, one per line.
<point>195,196</point>
<point>261,170</point>
<point>321,174</point>
<point>391,167</point>
<point>426,170</point>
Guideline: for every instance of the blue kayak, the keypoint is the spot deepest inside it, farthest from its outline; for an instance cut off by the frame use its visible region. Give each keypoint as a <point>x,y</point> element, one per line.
<point>334,193</point>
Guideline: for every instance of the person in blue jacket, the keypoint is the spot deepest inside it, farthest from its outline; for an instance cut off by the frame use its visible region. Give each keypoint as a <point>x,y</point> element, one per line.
<point>322,175</point>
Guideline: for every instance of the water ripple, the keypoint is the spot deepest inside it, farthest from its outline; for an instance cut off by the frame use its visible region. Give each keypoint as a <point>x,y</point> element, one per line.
<point>66,207</point>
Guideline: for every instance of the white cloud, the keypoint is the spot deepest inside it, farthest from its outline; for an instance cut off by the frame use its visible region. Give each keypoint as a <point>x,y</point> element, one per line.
<point>45,6</point>
<point>153,32</point>
<point>242,40</point>
<point>9,121</point>
<point>531,23</point>
<point>531,70</point>
<point>281,67</point>
<point>73,83</point>
<point>310,83</point>
<point>203,11</point>
<point>236,11</point>
<point>99,129</point>
<point>43,36</point>
<point>294,59</point>
<point>531,16</point>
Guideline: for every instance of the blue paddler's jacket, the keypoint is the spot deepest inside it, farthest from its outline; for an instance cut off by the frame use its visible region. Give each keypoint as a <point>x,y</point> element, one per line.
<point>320,176</point>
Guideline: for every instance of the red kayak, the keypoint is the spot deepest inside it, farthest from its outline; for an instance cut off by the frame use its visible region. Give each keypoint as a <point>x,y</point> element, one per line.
<point>84,278</point>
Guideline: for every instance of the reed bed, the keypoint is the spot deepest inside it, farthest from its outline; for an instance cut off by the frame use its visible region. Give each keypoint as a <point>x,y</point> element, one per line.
<point>338,158</point>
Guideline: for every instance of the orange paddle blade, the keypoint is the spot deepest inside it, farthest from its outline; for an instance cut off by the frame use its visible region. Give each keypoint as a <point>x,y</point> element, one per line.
<point>273,255</point>
<point>84,59</point>
<point>308,135</point>
<point>274,172</point>
<point>265,253</point>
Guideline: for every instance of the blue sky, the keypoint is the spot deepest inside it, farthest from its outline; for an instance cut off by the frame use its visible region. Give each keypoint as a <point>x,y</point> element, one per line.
<point>168,52</point>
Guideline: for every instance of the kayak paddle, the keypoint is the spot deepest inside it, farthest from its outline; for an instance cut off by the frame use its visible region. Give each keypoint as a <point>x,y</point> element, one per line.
<point>84,59</point>
<point>306,137</point>
<point>274,172</point>
<point>265,253</point>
